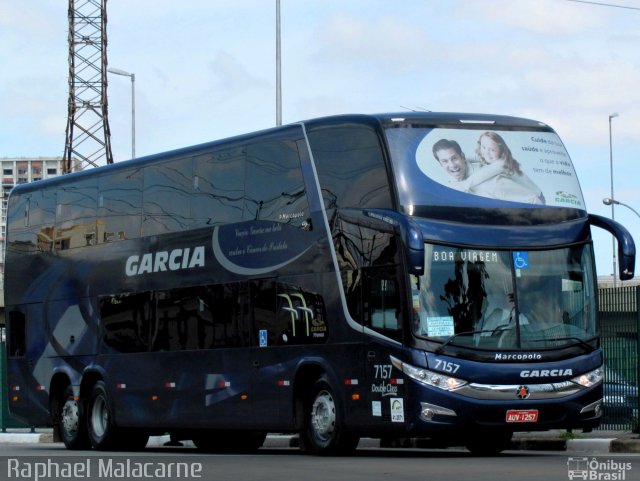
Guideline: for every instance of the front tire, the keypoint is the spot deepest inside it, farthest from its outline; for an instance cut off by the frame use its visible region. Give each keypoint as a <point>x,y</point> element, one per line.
<point>323,431</point>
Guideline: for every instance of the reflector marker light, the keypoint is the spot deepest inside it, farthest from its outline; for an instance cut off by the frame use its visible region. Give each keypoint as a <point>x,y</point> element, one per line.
<point>224,384</point>
<point>396,381</point>
<point>284,382</point>
<point>40,387</point>
<point>15,388</point>
<point>121,386</point>
<point>170,385</point>
<point>350,382</point>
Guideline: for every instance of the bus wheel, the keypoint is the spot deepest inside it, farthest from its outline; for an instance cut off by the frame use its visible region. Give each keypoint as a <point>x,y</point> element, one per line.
<point>488,443</point>
<point>70,416</point>
<point>323,432</point>
<point>101,428</point>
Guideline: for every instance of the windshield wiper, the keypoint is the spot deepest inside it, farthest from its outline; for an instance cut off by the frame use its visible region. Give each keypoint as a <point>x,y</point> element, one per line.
<point>589,348</point>
<point>440,349</point>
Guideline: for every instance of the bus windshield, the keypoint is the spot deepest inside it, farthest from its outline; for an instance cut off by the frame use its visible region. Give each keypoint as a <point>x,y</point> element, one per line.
<point>505,300</point>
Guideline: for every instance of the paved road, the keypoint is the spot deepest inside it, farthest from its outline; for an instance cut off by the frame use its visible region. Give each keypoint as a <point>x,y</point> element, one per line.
<point>291,465</point>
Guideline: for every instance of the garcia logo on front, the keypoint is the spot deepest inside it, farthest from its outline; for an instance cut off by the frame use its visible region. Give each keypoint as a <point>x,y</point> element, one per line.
<point>163,261</point>
<point>546,373</point>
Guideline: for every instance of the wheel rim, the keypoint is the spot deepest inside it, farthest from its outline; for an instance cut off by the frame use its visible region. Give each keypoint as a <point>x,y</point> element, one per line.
<point>323,415</point>
<point>70,417</point>
<point>99,417</point>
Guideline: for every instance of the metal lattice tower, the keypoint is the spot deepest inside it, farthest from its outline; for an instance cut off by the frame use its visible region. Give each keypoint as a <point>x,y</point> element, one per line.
<point>88,137</point>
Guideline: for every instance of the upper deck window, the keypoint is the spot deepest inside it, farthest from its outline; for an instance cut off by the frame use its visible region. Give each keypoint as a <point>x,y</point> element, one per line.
<point>274,186</point>
<point>351,167</point>
<point>482,168</point>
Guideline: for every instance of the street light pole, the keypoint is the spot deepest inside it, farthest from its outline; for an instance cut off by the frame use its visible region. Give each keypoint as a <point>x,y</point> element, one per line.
<point>609,201</point>
<point>117,71</point>
<point>278,68</point>
<point>613,241</point>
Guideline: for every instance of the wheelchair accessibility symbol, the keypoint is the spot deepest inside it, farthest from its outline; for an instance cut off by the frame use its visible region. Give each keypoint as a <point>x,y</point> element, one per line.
<point>521,259</point>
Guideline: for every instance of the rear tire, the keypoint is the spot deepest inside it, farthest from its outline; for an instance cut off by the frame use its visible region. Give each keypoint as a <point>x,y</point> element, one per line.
<point>70,419</point>
<point>323,431</point>
<point>101,428</point>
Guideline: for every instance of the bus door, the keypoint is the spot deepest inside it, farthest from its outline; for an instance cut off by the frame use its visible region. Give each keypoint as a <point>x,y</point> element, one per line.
<point>382,315</point>
<point>272,333</point>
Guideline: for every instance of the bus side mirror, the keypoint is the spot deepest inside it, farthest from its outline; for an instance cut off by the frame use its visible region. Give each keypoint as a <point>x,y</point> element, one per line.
<point>626,246</point>
<point>415,249</point>
<point>407,231</point>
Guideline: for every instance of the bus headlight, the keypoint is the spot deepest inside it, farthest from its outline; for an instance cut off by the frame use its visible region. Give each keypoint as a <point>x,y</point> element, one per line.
<point>425,376</point>
<point>589,379</point>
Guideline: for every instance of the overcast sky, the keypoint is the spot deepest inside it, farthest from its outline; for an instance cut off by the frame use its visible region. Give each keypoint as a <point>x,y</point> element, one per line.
<point>205,69</point>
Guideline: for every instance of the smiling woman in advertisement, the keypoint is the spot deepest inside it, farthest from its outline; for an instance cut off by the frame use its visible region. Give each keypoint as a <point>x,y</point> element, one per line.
<point>483,163</point>
<point>495,173</point>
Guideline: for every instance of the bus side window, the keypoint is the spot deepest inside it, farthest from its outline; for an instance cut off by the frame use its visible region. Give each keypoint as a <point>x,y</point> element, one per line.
<point>274,184</point>
<point>76,214</point>
<point>167,197</point>
<point>382,302</point>
<point>217,316</point>
<point>302,315</point>
<point>17,338</point>
<point>125,321</point>
<point>42,218</point>
<point>351,167</point>
<point>19,237</point>
<point>218,182</point>
<point>269,325</point>
<point>119,206</point>
<point>176,323</point>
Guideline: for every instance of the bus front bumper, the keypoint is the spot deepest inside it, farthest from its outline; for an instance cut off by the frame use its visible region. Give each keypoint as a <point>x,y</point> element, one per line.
<point>445,411</point>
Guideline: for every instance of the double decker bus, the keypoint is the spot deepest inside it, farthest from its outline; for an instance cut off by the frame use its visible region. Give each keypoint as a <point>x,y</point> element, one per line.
<point>388,276</point>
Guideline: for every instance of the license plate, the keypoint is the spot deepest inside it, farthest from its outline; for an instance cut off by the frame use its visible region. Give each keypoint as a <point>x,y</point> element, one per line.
<point>522,416</point>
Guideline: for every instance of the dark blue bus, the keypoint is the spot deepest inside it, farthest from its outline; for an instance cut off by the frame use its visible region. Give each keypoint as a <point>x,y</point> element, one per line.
<point>419,275</point>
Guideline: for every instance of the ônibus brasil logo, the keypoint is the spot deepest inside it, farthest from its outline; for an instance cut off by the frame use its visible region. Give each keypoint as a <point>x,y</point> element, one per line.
<point>597,469</point>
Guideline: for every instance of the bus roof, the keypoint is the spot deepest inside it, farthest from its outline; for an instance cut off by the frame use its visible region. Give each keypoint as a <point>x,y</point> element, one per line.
<point>431,118</point>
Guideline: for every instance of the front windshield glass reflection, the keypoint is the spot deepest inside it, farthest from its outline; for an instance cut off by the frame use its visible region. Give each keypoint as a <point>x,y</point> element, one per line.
<point>505,300</point>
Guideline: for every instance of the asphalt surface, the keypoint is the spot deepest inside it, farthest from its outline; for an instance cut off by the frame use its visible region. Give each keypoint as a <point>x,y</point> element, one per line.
<point>596,442</point>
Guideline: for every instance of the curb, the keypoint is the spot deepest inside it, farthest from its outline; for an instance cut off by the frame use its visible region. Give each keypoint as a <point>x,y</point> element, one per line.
<point>589,446</point>
<point>625,446</point>
<point>26,438</point>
